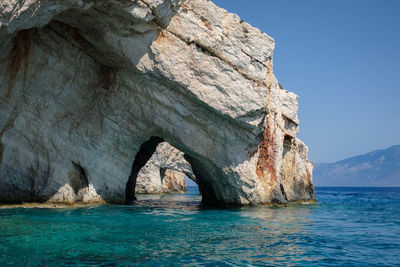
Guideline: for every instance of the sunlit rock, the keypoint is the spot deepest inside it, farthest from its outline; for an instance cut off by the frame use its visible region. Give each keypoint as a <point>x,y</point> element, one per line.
<point>164,172</point>
<point>84,85</point>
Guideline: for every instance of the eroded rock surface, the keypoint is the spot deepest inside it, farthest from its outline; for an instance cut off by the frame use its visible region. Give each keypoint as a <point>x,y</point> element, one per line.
<point>85,83</point>
<point>164,172</point>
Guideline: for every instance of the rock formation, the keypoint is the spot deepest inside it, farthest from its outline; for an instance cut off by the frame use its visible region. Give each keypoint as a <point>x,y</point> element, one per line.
<point>169,181</point>
<point>89,88</point>
<point>164,172</point>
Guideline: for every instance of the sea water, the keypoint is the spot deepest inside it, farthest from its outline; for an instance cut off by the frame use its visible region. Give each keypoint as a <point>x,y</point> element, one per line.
<point>348,226</point>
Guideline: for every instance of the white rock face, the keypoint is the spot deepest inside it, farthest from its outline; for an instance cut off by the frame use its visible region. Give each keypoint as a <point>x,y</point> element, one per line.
<point>169,182</point>
<point>164,172</point>
<point>85,83</point>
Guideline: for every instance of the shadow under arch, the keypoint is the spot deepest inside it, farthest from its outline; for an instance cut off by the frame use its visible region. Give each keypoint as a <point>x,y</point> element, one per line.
<point>142,156</point>
<point>199,170</point>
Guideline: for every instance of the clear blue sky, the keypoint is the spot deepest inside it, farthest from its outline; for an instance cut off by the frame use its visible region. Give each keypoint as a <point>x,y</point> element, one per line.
<point>342,58</point>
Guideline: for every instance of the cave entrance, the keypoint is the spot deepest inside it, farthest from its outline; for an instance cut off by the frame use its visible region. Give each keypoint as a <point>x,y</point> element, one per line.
<point>159,167</point>
<point>143,155</point>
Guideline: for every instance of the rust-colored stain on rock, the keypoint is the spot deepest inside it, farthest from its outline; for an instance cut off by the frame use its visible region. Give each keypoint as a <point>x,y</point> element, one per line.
<point>267,153</point>
<point>164,40</point>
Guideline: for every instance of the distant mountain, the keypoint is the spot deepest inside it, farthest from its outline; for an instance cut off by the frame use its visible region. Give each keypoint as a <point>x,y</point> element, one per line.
<point>374,169</point>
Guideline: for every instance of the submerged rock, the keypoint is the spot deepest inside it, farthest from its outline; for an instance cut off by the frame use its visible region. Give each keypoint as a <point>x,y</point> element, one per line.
<point>86,84</point>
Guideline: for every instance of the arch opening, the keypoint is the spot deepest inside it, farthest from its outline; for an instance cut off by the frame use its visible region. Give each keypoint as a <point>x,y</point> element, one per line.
<point>171,162</point>
<point>143,155</point>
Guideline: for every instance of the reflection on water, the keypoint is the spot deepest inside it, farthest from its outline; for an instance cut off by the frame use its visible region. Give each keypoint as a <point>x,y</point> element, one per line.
<point>190,200</point>
<point>347,227</point>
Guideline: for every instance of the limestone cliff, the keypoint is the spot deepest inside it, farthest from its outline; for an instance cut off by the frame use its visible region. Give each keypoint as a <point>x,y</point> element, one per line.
<point>89,88</point>
<point>164,172</point>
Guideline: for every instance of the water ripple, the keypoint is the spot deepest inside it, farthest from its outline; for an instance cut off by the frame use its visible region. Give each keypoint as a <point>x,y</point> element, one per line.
<point>355,227</point>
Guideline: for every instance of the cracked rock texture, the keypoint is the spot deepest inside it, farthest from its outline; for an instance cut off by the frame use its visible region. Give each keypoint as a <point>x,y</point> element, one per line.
<point>84,83</point>
<point>164,172</point>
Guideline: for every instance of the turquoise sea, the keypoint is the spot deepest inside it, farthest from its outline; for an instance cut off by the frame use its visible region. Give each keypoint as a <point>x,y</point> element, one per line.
<point>348,227</point>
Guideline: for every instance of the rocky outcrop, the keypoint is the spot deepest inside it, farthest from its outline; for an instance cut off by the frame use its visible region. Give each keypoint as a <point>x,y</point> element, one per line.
<point>85,85</point>
<point>169,181</point>
<point>164,172</point>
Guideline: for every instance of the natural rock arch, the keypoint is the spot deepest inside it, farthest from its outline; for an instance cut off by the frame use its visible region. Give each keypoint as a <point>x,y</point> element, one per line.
<point>147,149</point>
<point>164,172</point>
<point>88,82</point>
